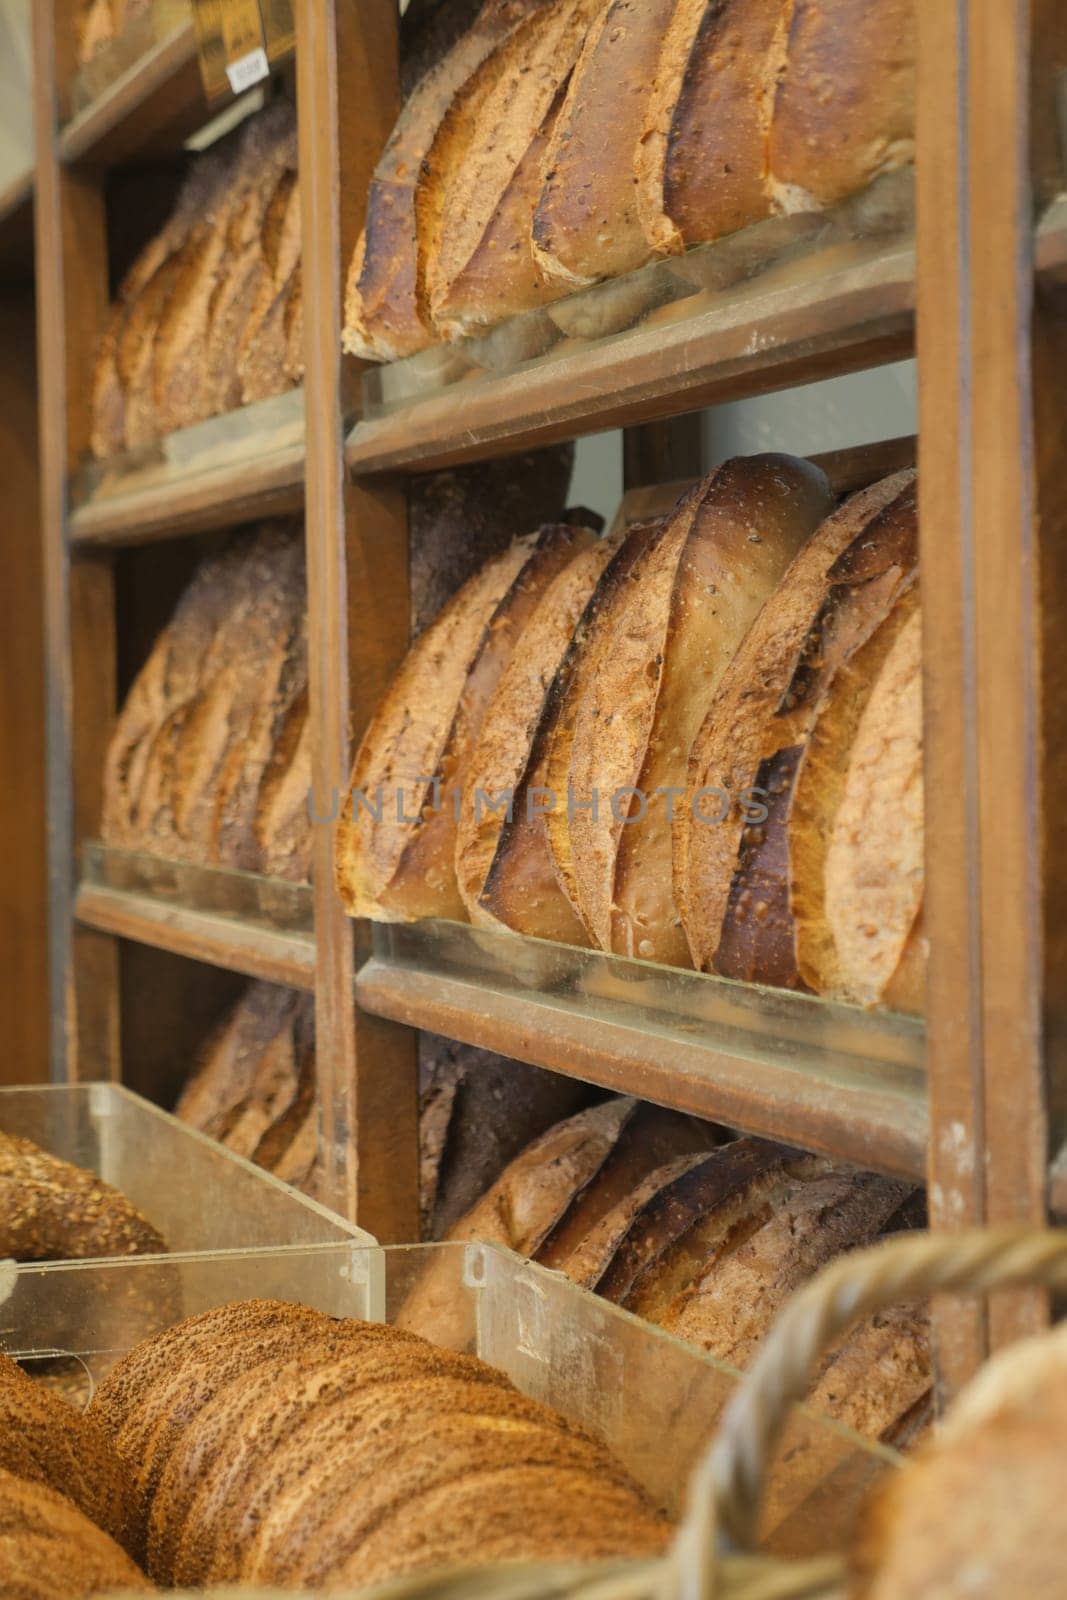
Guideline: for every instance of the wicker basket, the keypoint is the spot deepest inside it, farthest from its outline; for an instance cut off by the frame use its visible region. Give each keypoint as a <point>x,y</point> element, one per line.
<point>713,1556</point>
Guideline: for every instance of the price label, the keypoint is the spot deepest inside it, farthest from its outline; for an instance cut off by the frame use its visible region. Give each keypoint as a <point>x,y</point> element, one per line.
<point>238,39</point>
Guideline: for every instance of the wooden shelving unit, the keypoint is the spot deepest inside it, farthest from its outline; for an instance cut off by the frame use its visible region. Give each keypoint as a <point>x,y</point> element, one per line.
<point>978,299</point>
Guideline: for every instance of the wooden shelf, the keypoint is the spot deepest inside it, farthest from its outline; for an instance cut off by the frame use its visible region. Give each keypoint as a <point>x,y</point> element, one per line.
<point>156,102</point>
<point>231,469</point>
<point>235,920</point>
<point>843,1082</point>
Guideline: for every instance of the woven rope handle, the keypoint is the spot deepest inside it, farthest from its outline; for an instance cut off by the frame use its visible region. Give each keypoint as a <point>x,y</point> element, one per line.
<point>727,1488</point>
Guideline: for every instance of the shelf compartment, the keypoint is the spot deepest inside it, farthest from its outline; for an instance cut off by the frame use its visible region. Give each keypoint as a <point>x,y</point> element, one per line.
<point>835,1079</point>
<point>847,306</point>
<point>142,91</point>
<point>233,468</point>
<point>262,927</point>
<point>16,225</point>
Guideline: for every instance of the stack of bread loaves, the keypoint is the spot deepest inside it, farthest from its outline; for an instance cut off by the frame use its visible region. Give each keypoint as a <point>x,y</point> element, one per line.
<point>271,1443</point>
<point>210,759</point>
<point>560,142</point>
<point>253,1087</point>
<point>664,745</point>
<point>707,1237</point>
<point>210,314</point>
<point>67,1510</point>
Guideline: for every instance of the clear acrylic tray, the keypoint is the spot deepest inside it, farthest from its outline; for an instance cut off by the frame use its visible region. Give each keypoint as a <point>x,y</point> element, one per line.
<point>199,1195</point>
<point>246,897</point>
<point>148,31</point>
<point>653,1399</point>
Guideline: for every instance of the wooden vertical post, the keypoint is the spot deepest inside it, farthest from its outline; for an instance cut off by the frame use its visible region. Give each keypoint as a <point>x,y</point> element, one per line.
<point>347,88</point>
<point>993,576</point>
<point>71,279</point>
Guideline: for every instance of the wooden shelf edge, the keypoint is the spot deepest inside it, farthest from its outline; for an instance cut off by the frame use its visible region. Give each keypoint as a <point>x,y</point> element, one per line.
<point>215,499</point>
<point>160,92</point>
<point>857,317</point>
<point>874,1127</point>
<point>254,950</point>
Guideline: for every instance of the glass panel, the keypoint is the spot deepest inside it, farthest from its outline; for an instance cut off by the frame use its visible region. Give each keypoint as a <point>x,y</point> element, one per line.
<point>630,1384</point>
<point>199,1195</point>
<point>144,32</point>
<point>254,434</point>
<point>275,903</point>
<point>745,1019</point>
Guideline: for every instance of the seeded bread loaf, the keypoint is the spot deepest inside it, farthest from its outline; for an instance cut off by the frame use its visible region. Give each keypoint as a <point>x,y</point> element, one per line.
<point>49,1550</point>
<point>45,1440</point>
<point>53,1211</point>
<point>716,559</point>
<point>734,881</point>
<point>396,852</point>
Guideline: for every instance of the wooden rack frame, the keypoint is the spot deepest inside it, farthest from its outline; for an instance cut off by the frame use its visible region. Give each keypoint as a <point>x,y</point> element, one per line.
<point>979,302</point>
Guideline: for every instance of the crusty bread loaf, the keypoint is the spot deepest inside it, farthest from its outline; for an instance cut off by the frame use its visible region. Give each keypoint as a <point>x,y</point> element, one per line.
<point>844,111</point>
<point>53,1211</point>
<point>501,757</point>
<point>874,863</point>
<point>264,348</point>
<point>385,315</point>
<point>45,1440</point>
<point>49,1550</point>
<point>256,1074</point>
<point>702,163</point>
<point>734,880</point>
<point>890,909</point>
<point>976,1512</point>
<point>716,559</point>
<point>396,858</point>
<point>476,272</point>
<point>587,225</point>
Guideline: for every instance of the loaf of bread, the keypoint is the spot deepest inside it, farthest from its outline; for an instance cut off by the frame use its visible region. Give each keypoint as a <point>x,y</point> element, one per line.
<point>51,1210</point>
<point>45,1440</point>
<point>273,1444</point>
<point>195,328</point>
<point>715,561</point>
<point>742,886</point>
<point>209,761</point>
<point>976,1511</point>
<point>386,308</point>
<point>496,793</point>
<point>557,144</point>
<point>49,1550</point>
<point>397,836</point>
<point>253,1088</point>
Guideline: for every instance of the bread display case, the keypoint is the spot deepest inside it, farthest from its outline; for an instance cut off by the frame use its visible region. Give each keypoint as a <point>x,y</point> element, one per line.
<point>198,1195</point>
<point>630,1385</point>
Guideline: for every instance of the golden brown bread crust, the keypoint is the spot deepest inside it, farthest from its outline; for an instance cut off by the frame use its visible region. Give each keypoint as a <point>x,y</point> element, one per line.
<point>874,863</point>
<point>717,558</point>
<point>714,174</point>
<point>977,1511</point>
<point>393,868</point>
<point>844,111</point>
<point>384,319</point>
<point>50,1551</point>
<point>508,110</point>
<point>737,899</point>
<point>501,758</point>
<point>53,1211</point>
<point>587,225</point>
<point>817,795</point>
<point>45,1440</point>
